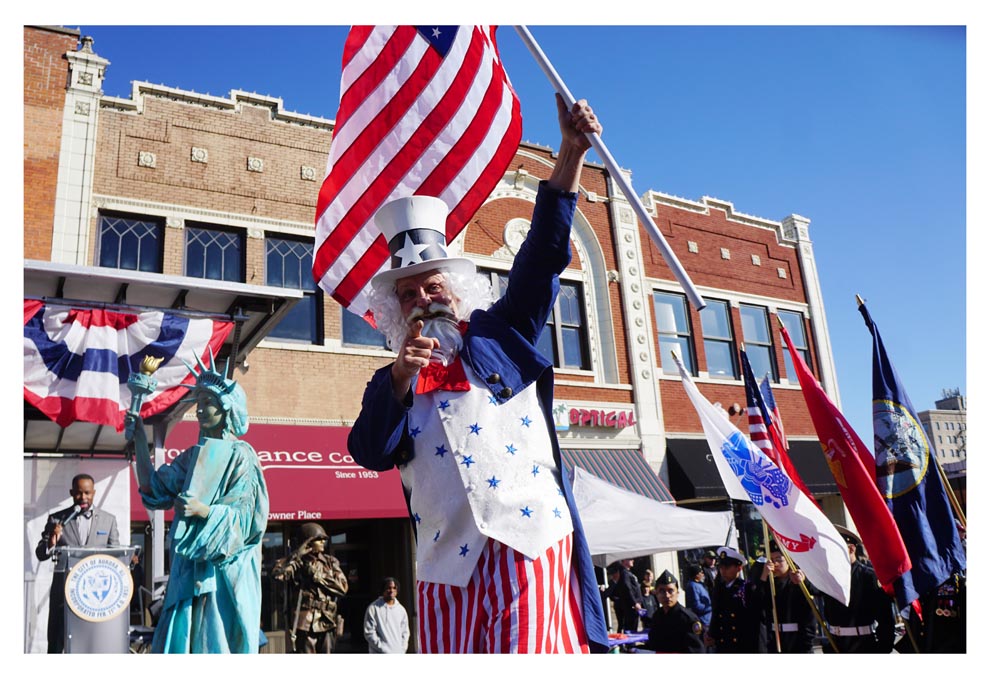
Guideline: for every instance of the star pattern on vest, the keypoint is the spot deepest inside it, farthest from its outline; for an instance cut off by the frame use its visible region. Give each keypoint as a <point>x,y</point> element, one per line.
<point>443,405</point>
<point>493,400</point>
<point>475,429</point>
<point>493,482</point>
<point>556,512</point>
<point>436,537</point>
<point>526,511</point>
<point>526,421</point>
<point>510,449</point>
<point>468,461</point>
<point>415,431</point>
<point>417,518</point>
<point>536,469</point>
<point>464,550</point>
<point>441,450</point>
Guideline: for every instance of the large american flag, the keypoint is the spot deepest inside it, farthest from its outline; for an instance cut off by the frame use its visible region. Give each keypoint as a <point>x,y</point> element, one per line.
<point>763,430</point>
<point>424,110</point>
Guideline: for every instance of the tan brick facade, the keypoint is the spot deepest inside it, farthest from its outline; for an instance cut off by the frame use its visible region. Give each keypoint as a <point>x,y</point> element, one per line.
<point>246,163</point>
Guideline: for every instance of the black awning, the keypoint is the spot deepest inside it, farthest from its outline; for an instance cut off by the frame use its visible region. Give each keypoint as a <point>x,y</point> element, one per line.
<point>623,468</point>
<point>809,460</point>
<point>692,471</point>
<point>694,476</point>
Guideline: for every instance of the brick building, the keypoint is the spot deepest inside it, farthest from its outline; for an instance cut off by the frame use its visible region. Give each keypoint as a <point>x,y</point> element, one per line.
<point>209,196</point>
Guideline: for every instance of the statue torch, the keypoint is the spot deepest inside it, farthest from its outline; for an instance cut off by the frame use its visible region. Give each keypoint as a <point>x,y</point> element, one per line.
<point>142,383</point>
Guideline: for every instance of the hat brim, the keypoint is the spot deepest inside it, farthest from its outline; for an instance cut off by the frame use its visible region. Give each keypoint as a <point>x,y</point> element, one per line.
<point>456,264</point>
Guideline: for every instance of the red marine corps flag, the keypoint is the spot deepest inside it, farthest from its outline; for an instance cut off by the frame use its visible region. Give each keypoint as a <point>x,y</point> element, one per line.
<point>845,453</point>
<point>424,110</point>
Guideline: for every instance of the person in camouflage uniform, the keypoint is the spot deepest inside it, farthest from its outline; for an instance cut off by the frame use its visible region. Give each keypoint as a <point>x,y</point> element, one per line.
<point>319,583</point>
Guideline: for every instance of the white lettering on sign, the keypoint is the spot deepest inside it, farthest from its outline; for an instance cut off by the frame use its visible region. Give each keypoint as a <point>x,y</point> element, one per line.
<point>301,458</point>
<point>615,419</point>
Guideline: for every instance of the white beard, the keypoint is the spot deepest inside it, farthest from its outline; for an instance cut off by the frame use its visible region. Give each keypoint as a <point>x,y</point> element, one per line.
<point>440,324</point>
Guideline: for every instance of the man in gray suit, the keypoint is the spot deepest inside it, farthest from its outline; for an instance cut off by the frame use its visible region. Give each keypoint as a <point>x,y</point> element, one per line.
<point>80,525</point>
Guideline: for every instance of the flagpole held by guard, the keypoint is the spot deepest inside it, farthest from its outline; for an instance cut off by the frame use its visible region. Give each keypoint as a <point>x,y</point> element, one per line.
<point>613,168</point>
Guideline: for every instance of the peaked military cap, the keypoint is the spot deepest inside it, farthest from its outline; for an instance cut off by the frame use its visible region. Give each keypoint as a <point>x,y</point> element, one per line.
<point>730,555</point>
<point>667,578</point>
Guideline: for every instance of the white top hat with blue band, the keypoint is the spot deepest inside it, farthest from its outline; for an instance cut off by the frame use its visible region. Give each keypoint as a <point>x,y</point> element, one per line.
<point>415,230</point>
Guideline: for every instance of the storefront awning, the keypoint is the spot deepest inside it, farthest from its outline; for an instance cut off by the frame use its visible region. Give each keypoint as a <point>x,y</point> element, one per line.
<point>310,475</point>
<point>809,460</point>
<point>692,470</point>
<point>623,468</point>
<point>693,474</point>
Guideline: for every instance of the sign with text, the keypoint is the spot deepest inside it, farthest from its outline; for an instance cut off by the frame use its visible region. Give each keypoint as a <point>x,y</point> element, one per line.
<point>309,473</point>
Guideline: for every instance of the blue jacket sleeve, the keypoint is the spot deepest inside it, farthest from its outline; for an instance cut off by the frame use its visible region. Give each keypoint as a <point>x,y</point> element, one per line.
<point>378,439</point>
<point>546,252</point>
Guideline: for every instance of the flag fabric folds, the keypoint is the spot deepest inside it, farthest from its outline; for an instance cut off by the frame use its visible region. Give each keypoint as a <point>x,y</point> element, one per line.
<point>908,478</point>
<point>77,361</point>
<point>763,432</point>
<point>800,527</point>
<point>844,452</point>
<point>424,110</point>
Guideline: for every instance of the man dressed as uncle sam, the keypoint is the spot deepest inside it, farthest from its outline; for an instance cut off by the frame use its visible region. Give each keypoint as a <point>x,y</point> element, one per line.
<point>465,414</point>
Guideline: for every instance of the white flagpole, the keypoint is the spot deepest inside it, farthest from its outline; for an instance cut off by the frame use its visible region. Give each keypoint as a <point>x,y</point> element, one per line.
<point>613,168</point>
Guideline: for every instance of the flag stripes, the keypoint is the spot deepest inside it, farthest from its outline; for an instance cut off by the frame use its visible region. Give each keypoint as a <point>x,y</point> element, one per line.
<point>422,112</point>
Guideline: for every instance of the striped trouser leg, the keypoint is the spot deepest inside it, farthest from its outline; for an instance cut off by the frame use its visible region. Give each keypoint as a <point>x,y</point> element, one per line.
<point>512,604</point>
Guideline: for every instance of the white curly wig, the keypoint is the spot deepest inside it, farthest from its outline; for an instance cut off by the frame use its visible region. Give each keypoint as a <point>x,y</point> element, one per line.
<point>471,291</point>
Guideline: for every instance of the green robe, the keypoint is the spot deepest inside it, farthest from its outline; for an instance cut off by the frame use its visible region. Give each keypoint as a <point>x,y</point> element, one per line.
<point>213,600</point>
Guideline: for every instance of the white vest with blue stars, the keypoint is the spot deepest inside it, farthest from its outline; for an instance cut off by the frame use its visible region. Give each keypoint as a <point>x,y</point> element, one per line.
<point>480,470</point>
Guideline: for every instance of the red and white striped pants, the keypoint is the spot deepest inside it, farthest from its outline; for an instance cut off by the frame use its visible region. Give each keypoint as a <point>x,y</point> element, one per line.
<point>512,604</point>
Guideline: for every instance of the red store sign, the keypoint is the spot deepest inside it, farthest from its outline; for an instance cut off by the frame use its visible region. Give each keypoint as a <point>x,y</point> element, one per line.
<point>309,473</point>
<point>617,419</point>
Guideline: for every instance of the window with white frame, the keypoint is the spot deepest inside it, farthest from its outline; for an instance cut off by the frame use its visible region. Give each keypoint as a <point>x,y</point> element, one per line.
<point>794,322</point>
<point>289,264</point>
<point>759,345</point>
<point>217,254</point>
<point>716,328</point>
<point>673,331</point>
<point>130,242</point>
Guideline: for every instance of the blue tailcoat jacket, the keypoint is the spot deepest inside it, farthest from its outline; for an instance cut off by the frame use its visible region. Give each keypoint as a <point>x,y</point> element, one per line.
<point>500,346</point>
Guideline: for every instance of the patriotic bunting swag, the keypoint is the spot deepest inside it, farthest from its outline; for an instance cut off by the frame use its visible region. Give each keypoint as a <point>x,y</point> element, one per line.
<point>77,361</point>
<point>424,110</point>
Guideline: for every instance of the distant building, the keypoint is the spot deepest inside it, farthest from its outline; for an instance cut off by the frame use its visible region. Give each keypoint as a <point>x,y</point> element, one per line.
<point>946,427</point>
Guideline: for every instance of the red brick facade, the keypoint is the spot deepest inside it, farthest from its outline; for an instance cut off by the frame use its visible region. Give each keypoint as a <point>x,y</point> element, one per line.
<point>45,74</point>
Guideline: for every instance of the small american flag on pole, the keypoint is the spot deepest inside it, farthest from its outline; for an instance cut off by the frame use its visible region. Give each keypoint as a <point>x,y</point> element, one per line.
<point>424,110</point>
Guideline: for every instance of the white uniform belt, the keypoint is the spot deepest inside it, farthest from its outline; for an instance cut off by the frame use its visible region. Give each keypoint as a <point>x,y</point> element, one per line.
<point>787,627</point>
<point>860,631</point>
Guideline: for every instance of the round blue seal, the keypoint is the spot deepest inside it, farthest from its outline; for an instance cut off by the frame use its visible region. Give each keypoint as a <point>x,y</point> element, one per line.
<point>98,588</point>
<point>901,448</point>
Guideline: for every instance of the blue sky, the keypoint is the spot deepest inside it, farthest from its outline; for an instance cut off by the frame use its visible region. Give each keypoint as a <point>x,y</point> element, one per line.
<point>860,129</point>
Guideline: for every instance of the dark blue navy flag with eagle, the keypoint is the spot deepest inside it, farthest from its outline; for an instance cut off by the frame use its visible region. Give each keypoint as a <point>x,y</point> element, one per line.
<point>908,478</point>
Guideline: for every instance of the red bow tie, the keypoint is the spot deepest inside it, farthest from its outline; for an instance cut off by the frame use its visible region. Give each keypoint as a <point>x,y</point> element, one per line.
<point>445,378</point>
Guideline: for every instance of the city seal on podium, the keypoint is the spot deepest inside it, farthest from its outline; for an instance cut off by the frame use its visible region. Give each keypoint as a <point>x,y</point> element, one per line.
<point>99,588</point>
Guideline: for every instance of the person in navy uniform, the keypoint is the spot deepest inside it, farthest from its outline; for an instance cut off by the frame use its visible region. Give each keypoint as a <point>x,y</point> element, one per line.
<point>737,607</point>
<point>795,619</point>
<point>866,625</point>
<point>674,629</point>
<point>626,595</point>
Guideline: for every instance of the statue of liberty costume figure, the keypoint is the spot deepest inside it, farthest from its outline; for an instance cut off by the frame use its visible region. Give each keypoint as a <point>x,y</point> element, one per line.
<point>213,598</point>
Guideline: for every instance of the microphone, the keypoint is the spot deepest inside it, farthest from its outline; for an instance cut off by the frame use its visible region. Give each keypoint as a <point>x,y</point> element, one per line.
<point>76,511</point>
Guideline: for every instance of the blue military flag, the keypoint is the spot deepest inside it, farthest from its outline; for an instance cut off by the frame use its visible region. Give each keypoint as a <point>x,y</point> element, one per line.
<point>909,480</point>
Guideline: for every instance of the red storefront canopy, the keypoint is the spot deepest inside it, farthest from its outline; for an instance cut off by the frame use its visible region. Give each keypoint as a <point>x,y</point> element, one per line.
<point>310,475</point>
